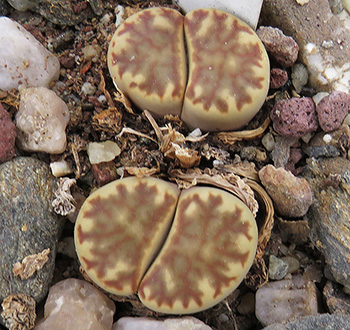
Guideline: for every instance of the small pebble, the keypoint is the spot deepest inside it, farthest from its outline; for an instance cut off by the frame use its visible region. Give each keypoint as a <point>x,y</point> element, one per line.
<point>332,110</point>
<point>41,121</point>
<point>293,264</point>
<point>294,117</point>
<point>7,136</point>
<point>282,301</point>
<point>61,168</point>
<point>300,76</point>
<point>137,323</point>
<point>336,299</point>
<point>278,78</point>
<point>319,96</point>
<point>91,53</point>
<point>281,47</point>
<point>278,269</point>
<point>76,304</point>
<point>291,195</point>
<point>88,89</point>
<point>252,153</point>
<point>24,61</point>
<point>99,152</point>
<point>247,304</point>
<point>268,141</point>
<point>104,172</point>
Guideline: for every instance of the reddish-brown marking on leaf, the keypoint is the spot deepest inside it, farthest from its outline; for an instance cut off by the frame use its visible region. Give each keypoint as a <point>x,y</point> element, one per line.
<point>202,248</point>
<point>213,75</point>
<point>114,240</point>
<point>152,51</point>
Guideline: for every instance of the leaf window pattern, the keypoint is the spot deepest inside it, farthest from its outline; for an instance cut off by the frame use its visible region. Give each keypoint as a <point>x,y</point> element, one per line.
<point>202,259</point>
<point>121,230</point>
<point>223,62</point>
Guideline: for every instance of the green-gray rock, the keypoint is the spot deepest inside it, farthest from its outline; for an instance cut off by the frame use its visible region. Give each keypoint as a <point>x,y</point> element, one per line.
<point>329,222</point>
<point>320,321</point>
<point>28,224</point>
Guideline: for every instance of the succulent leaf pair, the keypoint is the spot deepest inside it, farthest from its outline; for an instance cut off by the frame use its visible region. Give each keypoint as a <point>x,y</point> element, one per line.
<point>181,251</point>
<point>228,67</point>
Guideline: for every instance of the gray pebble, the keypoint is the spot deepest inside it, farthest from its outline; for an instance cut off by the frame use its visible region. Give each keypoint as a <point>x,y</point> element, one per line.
<point>27,224</point>
<point>328,216</point>
<point>320,321</point>
<point>278,268</point>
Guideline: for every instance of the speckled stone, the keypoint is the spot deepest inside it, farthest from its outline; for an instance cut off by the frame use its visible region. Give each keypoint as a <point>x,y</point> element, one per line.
<point>27,224</point>
<point>329,179</point>
<point>320,321</point>
<point>294,117</point>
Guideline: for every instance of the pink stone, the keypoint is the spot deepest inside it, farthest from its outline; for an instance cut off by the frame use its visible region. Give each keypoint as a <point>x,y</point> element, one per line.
<point>291,195</point>
<point>77,305</point>
<point>294,117</point>
<point>7,136</point>
<point>282,48</point>
<point>281,301</point>
<point>278,78</point>
<point>332,109</point>
<point>145,323</point>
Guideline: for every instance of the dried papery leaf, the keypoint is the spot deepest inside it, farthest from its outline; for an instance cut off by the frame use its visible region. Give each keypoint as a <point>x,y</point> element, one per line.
<point>170,140</point>
<point>244,169</point>
<point>209,250</point>
<point>216,153</point>
<point>232,137</point>
<point>166,139</point>
<point>142,172</point>
<point>64,202</point>
<point>10,98</point>
<point>229,182</point>
<point>258,275</point>
<point>119,229</point>
<point>19,312</point>
<point>187,157</point>
<point>193,138</point>
<point>109,120</point>
<point>121,98</point>
<point>102,88</point>
<point>128,130</point>
<point>76,145</point>
<point>31,264</point>
<point>267,224</point>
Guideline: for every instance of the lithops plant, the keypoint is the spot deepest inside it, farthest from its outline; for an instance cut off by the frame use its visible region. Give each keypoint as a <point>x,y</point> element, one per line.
<point>181,251</point>
<point>228,66</point>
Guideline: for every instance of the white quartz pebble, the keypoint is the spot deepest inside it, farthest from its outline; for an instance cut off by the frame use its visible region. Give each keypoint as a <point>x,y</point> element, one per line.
<point>248,11</point>
<point>99,152</point>
<point>75,304</point>
<point>41,121</point>
<point>144,323</point>
<point>24,61</point>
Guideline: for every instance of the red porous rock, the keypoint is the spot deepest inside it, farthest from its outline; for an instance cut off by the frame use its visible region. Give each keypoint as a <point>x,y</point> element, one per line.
<point>332,109</point>
<point>278,78</point>
<point>294,117</point>
<point>282,48</point>
<point>292,196</point>
<point>7,136</point>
